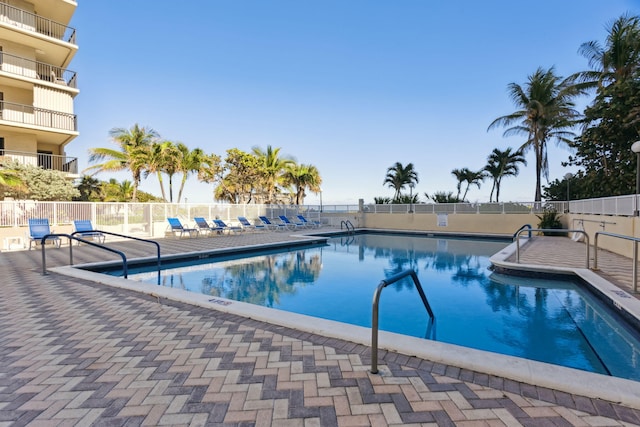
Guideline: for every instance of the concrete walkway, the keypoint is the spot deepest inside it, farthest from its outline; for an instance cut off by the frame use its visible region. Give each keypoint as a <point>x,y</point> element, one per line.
<point>77,353</point>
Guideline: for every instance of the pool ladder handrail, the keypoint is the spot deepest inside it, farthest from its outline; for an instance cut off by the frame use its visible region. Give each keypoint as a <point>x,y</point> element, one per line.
<point>522,228</point>
<point>72,236</point>
<point>348,225</point>
<point>374,312</point>
<point>553,230</point>
<point>634,269</point>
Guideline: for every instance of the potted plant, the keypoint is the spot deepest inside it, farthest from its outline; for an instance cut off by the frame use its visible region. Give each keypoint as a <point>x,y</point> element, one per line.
<point>550,219</point>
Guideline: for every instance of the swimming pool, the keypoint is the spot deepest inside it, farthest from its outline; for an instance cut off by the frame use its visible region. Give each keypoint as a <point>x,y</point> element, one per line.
<point>554,321</point>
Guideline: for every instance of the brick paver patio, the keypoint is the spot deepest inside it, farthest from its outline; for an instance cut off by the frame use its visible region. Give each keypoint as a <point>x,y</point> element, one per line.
<point>76,353</point>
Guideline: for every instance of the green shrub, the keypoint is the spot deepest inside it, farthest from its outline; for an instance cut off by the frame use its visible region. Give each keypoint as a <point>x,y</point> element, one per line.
<point>550,219</point>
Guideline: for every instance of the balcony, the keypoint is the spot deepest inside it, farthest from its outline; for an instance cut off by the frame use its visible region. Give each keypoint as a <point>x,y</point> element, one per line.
<point>31,22</point>
<point>45,161</point>
<point>24,67</point>
<point>34,116</point>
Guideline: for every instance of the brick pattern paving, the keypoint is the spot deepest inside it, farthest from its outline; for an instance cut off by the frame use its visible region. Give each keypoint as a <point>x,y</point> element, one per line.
<point>74,353</point>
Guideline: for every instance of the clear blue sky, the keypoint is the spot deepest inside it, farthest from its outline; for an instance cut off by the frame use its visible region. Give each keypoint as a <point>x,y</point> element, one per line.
<point>350,86</point>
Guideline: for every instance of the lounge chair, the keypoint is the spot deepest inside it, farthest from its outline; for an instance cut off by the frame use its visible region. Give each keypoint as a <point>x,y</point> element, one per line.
<point>270,225</point>
<point>309,224</point>
<point>291,225</point>
<point>229,228</point>
<point>84,229</point>
<point>205,227</point>
<point>38,228</point>
<point>248,226</point>
<point>177,227</point>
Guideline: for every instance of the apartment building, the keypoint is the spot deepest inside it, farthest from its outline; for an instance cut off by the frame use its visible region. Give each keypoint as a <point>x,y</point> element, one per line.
<point>37,90</point>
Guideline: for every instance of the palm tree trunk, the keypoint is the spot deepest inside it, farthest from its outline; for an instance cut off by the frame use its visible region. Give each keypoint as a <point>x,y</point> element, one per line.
<point>161,182</point>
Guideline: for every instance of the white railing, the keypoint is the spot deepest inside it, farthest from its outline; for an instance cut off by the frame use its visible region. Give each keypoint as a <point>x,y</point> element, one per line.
<point>130,217</point>
<point>138,216</point>
<point>466,208</point>
<point>617,206</point>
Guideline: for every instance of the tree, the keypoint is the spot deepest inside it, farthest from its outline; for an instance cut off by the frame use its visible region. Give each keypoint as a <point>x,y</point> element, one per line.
<point>545,112</point>
<point>162,159</point>
<point>273,167</point>
<point>191,161</point>
<point>40,184</point>
<point>460,175</point>
<point>611,123</point>
<point>501,164</point>
<point>303,177</point>
<point>9,178</point>
<point>90,189</point>
<point>133,154</point>
<point>468,176</point>
<point>398,176</point>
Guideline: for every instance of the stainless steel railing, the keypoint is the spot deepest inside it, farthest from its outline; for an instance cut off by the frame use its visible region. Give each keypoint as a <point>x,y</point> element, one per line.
<point>634,259</point>
<point>376,300</point>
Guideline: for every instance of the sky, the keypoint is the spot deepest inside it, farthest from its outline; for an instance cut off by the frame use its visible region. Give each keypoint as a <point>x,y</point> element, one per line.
<point>349,86</point>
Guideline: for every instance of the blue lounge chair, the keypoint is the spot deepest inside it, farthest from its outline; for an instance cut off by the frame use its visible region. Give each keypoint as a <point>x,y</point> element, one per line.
<point>248,226</point>
<point>291,225</point>
<point>205,227</point>
<point>84,229</point>
<point>177,227</point>
<point>38,228</point>
<point>309,224</point>
<point>229,228</point>
<point>270,225</point>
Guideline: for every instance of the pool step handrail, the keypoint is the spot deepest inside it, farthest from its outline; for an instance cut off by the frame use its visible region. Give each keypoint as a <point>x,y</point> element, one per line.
<point>634,268</point>
<point>348,225</point>
<point>522,228</point>
<point>73,236</point>
<point>551,230</point>
<point>374,311</point>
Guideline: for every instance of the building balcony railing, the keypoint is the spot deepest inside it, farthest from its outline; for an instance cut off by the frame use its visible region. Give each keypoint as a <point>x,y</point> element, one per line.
<point>32,22</point>
<point>30,115</point>
<point>37,70</point>
<point>45,161</point>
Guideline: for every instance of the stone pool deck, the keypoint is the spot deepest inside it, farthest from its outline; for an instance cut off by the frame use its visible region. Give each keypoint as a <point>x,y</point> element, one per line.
<point>74,352</point>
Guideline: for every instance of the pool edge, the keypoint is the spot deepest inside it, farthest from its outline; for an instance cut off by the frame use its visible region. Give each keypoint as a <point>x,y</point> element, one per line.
<point>592,385</point>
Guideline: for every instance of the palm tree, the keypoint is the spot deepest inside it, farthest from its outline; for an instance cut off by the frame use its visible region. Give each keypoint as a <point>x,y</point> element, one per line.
<point>134,153</point>
<point>398,176</point>
<point>163,158</point>
<point>460,175</point>
<point>545,112</point>
<point>501,164</point>
<point>90,189</point>
<point>618,60</point>
<point>472,178</point>
<point>303,177</point>
<point>191,161</point>
<point>273,167</point>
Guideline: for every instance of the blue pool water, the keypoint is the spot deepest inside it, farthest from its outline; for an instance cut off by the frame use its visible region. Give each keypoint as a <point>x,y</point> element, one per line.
<point>554,321</point>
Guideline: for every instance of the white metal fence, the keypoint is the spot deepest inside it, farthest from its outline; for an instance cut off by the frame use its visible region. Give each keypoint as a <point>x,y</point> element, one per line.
<point>16,213</point>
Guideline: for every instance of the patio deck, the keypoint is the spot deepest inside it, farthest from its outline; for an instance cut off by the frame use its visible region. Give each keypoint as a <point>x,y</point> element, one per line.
<point>78,353</point>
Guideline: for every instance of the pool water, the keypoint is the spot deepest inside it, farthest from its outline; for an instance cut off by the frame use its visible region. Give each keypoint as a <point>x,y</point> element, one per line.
<point>554,321</point>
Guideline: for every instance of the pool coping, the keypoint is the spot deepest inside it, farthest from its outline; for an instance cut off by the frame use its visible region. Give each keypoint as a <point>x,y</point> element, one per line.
<point>574,381</point>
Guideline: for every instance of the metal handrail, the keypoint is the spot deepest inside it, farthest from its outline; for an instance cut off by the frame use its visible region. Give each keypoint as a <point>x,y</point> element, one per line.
<point>36,116</point>
<point>635,254</point>
<point>157,245</point>
<point>36,23</point>
<point>522,228</point>
<point>374,317</point>
<point>70,237</point>
<point>25,67</point>
<point>349,226</point>
<point>555,230</point>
